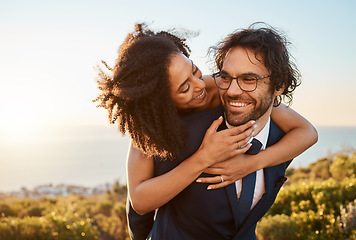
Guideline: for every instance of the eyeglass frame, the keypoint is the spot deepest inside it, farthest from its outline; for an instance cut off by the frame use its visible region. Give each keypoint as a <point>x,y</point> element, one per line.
<point>237,81</point>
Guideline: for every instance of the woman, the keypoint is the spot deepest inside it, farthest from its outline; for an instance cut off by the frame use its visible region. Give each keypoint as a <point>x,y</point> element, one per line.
<point>154,84</point>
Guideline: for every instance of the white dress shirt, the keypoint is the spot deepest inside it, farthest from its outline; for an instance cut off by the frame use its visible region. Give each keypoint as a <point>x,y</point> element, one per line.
<point>262,136</point>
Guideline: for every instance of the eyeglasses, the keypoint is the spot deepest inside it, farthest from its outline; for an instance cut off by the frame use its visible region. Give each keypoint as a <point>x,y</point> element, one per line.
<point>246,82</point>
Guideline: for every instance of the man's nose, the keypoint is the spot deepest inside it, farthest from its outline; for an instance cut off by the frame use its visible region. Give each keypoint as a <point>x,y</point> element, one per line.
<point>234,88</point>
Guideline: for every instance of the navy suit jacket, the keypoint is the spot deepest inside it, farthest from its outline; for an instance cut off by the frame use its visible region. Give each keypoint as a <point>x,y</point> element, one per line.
<point>198,213</point>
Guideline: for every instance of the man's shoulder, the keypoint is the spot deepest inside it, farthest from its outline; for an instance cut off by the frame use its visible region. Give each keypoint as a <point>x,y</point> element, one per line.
<point>275,134</point>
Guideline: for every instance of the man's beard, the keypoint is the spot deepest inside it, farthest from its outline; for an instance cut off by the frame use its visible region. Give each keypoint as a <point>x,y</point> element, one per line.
<point>237,119</point>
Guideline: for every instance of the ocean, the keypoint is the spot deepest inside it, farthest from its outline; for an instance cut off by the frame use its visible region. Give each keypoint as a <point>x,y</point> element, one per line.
<point>93,155</point>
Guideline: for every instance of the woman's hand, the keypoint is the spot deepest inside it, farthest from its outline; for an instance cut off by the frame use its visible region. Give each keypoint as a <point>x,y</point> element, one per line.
<point>230,171</point>
<point>225,144</point>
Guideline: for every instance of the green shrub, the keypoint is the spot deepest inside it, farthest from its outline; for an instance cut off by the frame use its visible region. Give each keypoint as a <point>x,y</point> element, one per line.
<point>6,231</point>
<point>320,169</point>
<point>316,225</point>
<point>105,207</point>
<point>277,227</point>
<point>35,211</point>
<point>297,175</point>
<point>309,206</point>
<point>50,227</point>
<point>301,196</point>
<point>343,166</point>
<point>6,210</point>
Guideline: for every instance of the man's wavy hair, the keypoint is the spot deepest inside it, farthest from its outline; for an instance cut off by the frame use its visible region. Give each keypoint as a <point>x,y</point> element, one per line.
<point>137,93</point>
<point>272,46</point>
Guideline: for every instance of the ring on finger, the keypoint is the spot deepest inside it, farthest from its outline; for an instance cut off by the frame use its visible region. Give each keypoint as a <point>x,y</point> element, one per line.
<point>222,180</point>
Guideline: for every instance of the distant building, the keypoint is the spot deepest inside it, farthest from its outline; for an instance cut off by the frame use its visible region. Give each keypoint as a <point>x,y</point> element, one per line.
<point>52,191</point>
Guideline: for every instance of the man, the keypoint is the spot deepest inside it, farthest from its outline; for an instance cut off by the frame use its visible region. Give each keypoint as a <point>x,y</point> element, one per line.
<point>254,72</point>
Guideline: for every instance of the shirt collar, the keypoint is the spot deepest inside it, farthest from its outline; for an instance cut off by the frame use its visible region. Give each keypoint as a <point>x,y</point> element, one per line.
<point>262,136</point>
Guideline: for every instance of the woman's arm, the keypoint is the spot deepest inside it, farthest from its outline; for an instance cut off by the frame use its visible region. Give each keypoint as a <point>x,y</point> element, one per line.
<point>148,193</point>
<point>300,135</point>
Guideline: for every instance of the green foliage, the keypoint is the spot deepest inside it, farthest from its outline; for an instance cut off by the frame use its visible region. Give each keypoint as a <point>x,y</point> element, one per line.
<point>311,207</point>
<point>104,207</point>
<point>52,226</point>
<point>295,175</point>
<point>277,227</point>
<point>343,166</point>
<point>320,169</point>
<point>302,196</point>
<point>63,218</point>
<point>118,192</point>
<point>6,210</point>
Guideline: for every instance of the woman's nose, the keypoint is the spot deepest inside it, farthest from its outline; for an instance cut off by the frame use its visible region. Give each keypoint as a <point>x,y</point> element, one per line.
<point>199,83</point>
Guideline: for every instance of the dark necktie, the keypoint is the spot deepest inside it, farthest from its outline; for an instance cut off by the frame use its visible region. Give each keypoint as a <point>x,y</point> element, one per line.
<point>248,185</point>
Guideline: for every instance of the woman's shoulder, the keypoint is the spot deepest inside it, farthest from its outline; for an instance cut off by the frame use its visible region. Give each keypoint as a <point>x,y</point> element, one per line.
<point>212,90</point>
<point>209,81</point>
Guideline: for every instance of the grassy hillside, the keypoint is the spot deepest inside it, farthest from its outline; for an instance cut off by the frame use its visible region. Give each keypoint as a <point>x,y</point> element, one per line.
<point>317,202</point>
<point>65,218</point>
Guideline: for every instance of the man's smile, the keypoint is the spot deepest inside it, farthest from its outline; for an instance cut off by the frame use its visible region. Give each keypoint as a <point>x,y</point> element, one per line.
<point>238,103</point>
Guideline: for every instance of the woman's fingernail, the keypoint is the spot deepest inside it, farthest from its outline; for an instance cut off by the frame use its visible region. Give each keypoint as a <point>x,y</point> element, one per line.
<point>209,188</point>
<point>198,180</point>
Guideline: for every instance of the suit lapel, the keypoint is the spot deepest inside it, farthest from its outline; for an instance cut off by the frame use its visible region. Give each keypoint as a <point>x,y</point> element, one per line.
<point>231,188</point>
<point>258,208</point>
<point>232,195</point>
<point>269,187</point>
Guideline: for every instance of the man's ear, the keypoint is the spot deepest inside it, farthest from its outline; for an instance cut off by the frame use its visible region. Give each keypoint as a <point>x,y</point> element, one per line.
<point>279,91</point>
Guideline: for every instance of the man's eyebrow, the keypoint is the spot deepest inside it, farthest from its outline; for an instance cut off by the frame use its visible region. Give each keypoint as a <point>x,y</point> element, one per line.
<point>244,74</point>
<point>250,73</point>
<point>224,72</point>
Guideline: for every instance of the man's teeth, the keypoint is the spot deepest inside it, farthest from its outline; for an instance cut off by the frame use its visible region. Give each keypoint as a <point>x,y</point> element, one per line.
<point>238,104</point>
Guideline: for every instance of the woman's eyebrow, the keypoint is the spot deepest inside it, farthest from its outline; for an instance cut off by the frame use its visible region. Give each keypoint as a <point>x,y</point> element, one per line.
<point>194,71</point>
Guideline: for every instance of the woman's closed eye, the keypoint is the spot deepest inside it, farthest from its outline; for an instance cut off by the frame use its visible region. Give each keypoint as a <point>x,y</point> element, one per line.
<point>186,88</point>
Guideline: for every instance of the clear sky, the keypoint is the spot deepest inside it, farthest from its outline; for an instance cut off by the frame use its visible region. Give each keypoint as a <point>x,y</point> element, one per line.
<point>49,48</point>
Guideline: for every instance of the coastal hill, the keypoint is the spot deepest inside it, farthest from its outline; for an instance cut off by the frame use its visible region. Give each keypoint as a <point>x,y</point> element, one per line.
<point>317,202</point>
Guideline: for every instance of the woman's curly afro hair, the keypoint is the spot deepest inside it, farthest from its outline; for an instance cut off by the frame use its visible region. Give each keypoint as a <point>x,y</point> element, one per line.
<point>137,92</point>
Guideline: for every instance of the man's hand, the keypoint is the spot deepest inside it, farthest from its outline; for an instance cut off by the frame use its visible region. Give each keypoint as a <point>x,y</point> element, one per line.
<point>230,170</point>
